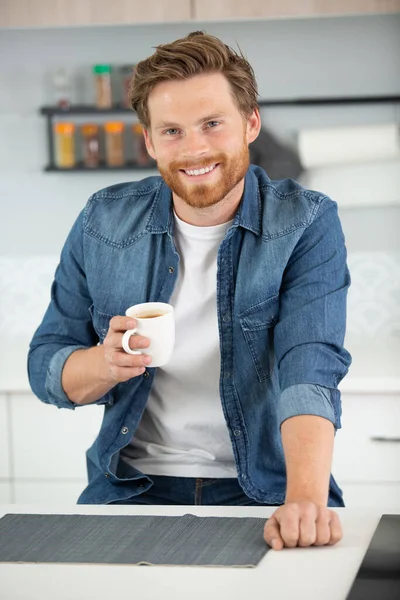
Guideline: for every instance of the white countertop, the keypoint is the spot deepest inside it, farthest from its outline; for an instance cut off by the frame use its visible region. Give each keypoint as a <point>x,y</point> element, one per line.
<point>365,376</point>
<point>370,385</point>
<point>10,384</point>
<point>292,574</point>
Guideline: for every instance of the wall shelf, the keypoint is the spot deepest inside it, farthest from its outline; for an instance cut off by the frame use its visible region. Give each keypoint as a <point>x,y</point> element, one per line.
<point>55,112</point>
<point>331,100</point>
<point>51,112</point>
<point>102,167</point>
<point>85,109</point>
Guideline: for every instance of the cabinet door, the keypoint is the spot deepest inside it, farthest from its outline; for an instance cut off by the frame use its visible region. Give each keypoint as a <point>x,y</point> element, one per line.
<point>385,496</point>
<point>50,443</point>
<point>5,493</point>
<point>61,13</point>
<point>4,439</point>
<point>61,493</point>
<point>208,10</point>
<point>367,448</point>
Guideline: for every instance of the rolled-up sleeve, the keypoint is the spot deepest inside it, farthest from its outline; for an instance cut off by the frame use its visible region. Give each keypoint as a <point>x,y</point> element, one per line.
<point>309,334</point>
<point>66,325</point>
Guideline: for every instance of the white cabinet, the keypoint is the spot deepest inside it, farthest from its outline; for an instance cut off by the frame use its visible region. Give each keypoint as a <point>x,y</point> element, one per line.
<point>48,13</point>
<point>4,439</point>
<point>62,493</point>
<point>50,443</point>
<point>42,450</point>
<point>367,448</point>
<point>366,462</point>
<point>385,496</point>
<point>209,10</point>
<point>5,493</point>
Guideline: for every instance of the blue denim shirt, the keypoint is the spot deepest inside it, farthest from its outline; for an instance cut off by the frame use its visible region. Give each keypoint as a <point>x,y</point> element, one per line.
<point>282,283</point>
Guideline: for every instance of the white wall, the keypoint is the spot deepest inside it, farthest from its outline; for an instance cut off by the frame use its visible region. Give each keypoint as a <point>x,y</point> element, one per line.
<point>309,57</point>
<point>341,56</point>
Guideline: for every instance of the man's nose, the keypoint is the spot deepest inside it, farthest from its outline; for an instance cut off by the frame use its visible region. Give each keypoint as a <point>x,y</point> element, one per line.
<point>194,145</point>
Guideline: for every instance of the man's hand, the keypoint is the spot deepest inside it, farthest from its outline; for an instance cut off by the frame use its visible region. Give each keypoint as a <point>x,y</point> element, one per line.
<point>89,373</point>
<point>302,524</point>
<point>120,365</point>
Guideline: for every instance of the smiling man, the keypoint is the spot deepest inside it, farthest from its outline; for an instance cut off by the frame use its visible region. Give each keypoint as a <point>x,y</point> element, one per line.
<point>246,410</point>
<point>203,161</point>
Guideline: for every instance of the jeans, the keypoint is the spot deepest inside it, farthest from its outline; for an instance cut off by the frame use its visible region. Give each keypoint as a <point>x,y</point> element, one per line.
<point>200,491</point>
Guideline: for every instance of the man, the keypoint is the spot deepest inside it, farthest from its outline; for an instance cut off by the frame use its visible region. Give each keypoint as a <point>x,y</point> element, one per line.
<point>246,411</point>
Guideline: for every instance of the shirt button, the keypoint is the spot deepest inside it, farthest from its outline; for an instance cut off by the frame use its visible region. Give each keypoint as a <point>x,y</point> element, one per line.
<point>107,475</point>
<point>124,430</point>
<point>171,269</point>
<point>237,432</point>
<point>146,374</point>
<point>226,318</point>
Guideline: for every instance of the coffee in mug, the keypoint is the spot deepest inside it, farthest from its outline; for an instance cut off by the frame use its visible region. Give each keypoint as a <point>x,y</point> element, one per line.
<point>150,315</point>
<point>155,320</point>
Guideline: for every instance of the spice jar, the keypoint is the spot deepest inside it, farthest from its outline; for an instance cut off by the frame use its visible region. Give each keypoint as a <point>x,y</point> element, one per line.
<point>126,77</point>
<point>90,145</point>
<point>114,143</point>
<point>65,145</point>
<point>140,155</point>
<point>61,89</point>
<point>102,76</point>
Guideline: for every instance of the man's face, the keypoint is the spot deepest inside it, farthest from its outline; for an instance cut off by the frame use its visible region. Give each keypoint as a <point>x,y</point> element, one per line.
<point>199,138</point>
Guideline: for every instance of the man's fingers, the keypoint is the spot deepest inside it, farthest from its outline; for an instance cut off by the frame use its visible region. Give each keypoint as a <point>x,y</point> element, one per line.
<point>120,323</point>
<point>336,528</point>
<point>289,522</point>
<point>119,358</point>
<point>272,535</point>
<point>302,525</point>
<point>323,528</point>
<point>136,342</point>
<point>308,526</point>
<point>125,373</point>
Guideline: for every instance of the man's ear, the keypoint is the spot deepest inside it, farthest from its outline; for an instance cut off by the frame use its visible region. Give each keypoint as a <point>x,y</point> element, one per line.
<point>253,126</point>
<point>149,143</point>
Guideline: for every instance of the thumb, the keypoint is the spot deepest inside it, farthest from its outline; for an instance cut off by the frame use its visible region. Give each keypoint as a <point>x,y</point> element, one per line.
<point>272,535</point>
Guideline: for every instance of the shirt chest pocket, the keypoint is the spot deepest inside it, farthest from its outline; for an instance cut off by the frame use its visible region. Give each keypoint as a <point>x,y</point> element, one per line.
<point>257,324</point>
<point>101,322</point>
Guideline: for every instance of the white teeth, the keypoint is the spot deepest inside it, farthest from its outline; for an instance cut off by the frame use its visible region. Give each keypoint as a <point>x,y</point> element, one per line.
<point>194,172</point>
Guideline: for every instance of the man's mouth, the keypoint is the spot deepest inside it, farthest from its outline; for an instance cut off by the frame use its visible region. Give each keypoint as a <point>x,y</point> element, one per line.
<point>202,171</point>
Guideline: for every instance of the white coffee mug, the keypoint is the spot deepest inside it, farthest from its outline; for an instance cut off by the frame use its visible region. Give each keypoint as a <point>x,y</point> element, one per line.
<point>155,320</point>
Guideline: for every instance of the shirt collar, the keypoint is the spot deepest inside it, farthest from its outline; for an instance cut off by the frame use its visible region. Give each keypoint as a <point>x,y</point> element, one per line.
<point>248,215</point>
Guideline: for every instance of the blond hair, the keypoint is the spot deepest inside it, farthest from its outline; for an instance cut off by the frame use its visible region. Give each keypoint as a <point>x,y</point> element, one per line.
<point>195,54</point>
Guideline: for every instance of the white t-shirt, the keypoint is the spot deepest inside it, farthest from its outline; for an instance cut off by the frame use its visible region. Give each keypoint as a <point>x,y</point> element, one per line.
<point>183,432</point>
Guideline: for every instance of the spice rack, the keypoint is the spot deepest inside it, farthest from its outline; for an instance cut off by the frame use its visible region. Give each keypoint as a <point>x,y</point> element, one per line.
<point>53,112</point>
<point>50,112</point>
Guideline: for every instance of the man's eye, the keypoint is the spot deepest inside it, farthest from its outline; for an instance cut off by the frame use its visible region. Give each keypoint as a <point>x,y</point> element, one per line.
<point>170,131</point>
<point>212,123</point>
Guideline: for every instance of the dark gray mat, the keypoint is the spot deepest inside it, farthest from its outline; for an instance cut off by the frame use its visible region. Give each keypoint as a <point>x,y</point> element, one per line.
<point>133,540</point>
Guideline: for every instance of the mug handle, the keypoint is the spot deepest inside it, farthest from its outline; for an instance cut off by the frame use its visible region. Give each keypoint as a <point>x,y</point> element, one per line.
<point>125,341</point>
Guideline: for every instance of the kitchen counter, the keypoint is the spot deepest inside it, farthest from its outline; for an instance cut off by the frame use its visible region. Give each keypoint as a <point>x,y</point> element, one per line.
<point>14,377</point>
<point>370,385</point>
<point>291,574</point>
<point>374,369</point>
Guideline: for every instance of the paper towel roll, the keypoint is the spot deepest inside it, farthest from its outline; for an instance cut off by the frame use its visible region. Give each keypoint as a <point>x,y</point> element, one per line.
<point>358,184</point>
<point>340,145</point>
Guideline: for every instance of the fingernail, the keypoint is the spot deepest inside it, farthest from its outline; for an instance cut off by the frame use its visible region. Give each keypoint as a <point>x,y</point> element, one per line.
<point>147,360</point>
<point>131,324</point>
<point>274,544</point>
<point>142,343</point>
